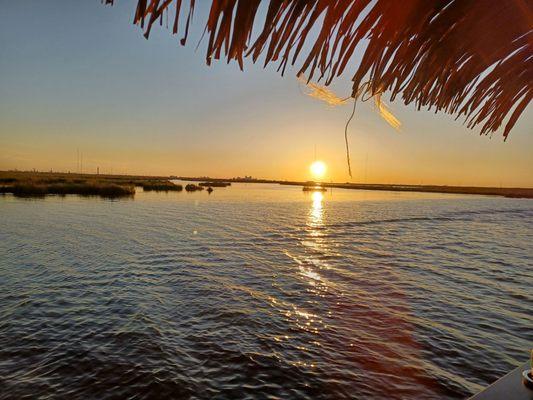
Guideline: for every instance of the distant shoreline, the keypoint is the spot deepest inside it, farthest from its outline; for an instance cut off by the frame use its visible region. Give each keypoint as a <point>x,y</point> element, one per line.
<point>526,193</point>
<point>474,190</point>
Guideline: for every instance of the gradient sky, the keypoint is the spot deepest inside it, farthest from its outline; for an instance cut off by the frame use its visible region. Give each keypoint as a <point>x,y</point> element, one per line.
<point>77,74</point>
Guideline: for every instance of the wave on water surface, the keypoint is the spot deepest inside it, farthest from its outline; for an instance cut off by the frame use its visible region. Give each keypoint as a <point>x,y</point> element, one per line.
<point>324,297</point>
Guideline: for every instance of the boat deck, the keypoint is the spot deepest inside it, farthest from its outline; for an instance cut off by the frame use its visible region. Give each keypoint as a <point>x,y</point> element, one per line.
<point>508,387</point>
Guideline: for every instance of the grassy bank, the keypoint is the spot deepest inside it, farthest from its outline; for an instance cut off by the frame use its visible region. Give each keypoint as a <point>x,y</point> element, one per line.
<point>163,186</point>
<point>215,184</point>
<point>193,188</point>
<point>39,184</point>
<point>31,189</point>
<point>485,191</point>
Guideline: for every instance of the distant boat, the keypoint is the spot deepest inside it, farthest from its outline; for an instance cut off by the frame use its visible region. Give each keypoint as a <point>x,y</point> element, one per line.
<point>314,189</point>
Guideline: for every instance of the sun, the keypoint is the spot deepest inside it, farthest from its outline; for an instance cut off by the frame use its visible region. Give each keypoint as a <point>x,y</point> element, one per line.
<point>318,169</point>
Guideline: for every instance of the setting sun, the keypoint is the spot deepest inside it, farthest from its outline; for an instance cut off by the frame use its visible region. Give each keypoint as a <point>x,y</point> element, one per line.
<point>318,169</point>
<point>247,223</point>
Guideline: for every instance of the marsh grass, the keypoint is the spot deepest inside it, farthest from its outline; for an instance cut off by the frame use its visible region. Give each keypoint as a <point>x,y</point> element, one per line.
<point>160,186</point>
<point>40,184</point>
<point>31,189</point>
<point>193,188</point>
<point>215,184</point>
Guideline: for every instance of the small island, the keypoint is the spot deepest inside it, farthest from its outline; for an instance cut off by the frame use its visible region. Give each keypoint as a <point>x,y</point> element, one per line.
<point>40,184</point>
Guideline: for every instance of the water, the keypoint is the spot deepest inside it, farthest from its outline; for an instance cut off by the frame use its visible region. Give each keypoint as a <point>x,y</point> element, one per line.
<point>263,292</point>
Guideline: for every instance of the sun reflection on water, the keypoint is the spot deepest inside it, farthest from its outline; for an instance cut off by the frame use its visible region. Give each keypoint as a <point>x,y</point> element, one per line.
<point>316,213</point>
<point>312,262</point>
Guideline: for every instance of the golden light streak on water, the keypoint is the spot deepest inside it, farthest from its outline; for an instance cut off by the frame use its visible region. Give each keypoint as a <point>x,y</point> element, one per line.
<point>316,213</point>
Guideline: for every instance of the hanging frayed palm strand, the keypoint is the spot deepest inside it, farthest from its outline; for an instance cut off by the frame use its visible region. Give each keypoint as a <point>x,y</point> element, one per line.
<point>346,138</point>
<point>326,95</point>
<point>322,93</point>
<point>385,112</point>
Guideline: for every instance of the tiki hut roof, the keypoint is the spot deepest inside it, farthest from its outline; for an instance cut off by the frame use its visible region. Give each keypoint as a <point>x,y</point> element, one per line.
<point>470,58</point>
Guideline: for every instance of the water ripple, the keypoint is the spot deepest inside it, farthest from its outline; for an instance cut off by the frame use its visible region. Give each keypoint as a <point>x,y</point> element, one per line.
<point>277,296</point>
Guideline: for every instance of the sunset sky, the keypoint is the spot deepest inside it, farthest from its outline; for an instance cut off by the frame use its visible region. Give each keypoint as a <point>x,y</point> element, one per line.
<point>77,74</point>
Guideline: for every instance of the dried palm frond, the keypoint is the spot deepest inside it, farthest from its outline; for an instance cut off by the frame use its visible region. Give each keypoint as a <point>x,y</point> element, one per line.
<point>469,58</point>
<point>385,113</point>
<point>322,93</point>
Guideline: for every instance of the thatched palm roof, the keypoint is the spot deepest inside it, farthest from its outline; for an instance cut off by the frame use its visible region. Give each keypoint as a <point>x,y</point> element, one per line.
<point>469,58</point>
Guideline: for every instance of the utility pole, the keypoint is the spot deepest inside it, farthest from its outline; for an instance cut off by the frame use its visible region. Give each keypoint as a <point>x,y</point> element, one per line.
<point>366,165</point>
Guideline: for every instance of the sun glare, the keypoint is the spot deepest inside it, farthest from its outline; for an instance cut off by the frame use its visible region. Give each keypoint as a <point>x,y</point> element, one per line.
<point>318,169</point>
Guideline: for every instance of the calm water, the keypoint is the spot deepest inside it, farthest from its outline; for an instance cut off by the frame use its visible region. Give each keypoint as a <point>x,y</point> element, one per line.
<point>263,292</point>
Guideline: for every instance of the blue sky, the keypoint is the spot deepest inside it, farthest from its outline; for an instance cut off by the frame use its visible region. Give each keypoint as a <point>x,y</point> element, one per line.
<point>77,74</point>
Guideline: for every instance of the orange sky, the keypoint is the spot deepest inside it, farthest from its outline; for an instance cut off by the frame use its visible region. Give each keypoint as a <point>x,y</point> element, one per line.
<point>153,107</point>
